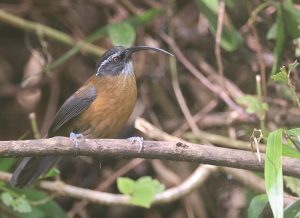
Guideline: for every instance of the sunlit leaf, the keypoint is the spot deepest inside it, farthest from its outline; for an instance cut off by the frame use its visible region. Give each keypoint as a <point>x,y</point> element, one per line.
<point>281,76</point>
<point>143,195</point>
<point>142,191</point>
<point>52,173</point>
<point>21,205</point>
<point>6,198</point>
<point>288,151</point>
<point>253,105</point>
<point>121,34</point>
<point>125,185</point>
<point>273,172</point>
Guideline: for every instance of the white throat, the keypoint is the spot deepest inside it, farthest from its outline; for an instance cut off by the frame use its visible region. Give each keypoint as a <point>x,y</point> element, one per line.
<point>128,68</point>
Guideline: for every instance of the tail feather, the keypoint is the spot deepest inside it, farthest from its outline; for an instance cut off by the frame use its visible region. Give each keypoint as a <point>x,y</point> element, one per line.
<point>30,169</point>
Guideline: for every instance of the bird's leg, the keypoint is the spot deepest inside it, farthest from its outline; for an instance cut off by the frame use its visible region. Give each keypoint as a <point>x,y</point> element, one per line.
<point>74,137</point>
<point>137,139</point>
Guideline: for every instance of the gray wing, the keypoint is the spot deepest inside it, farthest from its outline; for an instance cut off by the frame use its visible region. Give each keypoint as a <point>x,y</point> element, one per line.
<point>73,106</point>
<point>29,170</point>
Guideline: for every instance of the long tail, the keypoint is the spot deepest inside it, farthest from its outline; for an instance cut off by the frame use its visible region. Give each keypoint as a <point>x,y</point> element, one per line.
<point>29,170</point>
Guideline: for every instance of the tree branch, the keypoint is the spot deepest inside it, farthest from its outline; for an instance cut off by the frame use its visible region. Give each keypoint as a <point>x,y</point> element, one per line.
<point>121,148</point>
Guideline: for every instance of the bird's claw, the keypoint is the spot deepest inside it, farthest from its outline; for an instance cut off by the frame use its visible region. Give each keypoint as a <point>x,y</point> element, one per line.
<point>74,137</point>
<point>137,139</point>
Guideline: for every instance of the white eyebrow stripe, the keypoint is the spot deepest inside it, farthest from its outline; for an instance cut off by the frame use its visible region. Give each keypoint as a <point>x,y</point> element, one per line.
<point>108,60</point>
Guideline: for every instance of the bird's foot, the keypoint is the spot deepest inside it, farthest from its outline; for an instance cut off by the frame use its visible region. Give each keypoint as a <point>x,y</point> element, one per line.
<point>137,139</point>
<point>74,137</point>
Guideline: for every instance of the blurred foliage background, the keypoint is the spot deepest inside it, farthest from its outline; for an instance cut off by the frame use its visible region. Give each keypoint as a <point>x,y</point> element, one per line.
<point>49,48</point>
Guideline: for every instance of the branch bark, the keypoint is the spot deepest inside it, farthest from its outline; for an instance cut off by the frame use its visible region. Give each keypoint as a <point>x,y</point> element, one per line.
<point>121,148</point>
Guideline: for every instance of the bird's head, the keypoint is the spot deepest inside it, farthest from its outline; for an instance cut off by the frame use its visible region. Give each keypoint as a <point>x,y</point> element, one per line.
<point>117,60</point>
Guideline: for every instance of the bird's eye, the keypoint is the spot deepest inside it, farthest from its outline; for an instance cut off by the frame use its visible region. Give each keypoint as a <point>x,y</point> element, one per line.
<point>116,59</point>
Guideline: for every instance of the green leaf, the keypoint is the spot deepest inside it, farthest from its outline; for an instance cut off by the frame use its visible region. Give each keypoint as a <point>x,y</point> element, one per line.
<point>31,203</point>
<point>35,212</point>
<point>273,172</point>
<point>121,34</point>
<point>292,67</point>
<point>257,205</point>
<point>280,39</point>
<point>6,163</point>
<point>142,19</point>
<point>254,105</point>
<point>288,151</point>
<point>158,187</point>
<point>142,191</point>
<point>295,132</point>
<point>293,184</point>
<point>292,210</point>
<point>294,136</point>
<point>136,21</point>
<point>21,205</point>
<point>145,179</point>
<point>143,195</point>
<point>125,185</point>
<point>51,208</point>
<point>291,17</point>
<point>145,190</point>
<point>281,77</point>
<point>271,35</point>
<point>231,38</point>
<point>52,173</point>
<point>6,198</point>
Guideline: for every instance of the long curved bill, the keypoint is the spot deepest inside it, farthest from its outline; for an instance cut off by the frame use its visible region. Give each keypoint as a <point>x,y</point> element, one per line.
<point>140,48</point>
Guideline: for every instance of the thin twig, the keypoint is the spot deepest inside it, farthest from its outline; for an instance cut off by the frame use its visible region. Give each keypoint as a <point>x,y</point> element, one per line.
<point>130,6</point>
<point>215,89</point>
<point>197,117</point>
<point>221,12</point>
<point>155,133</point>
<point>52,103</point>
<point>175,83</point>
<point>262,66</point>
<point>233,90</point>
<point>79,206</point>
<point>180,98</point>
<point>170,195</point>
<point>34,126</point>
<point>48,31</point>
<point>254,182</point>
<point>112,178</point>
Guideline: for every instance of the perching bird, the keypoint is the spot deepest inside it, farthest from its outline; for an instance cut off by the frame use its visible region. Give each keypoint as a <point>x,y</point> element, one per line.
<point>98,109</point>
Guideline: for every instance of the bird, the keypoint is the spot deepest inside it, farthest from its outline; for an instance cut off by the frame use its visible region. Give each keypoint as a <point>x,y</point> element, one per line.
<point>98,109</point>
